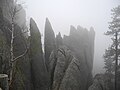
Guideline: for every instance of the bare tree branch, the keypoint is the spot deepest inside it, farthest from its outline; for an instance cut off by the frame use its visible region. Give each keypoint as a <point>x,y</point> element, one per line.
<point>9,29</point>
<point>17,58</point>
<point>20,34</point>
<point>13,10</point>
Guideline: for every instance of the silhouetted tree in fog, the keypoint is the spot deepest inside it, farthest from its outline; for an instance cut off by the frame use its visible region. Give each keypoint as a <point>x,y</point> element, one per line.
<point>109,60</point>
<point>114,33</point>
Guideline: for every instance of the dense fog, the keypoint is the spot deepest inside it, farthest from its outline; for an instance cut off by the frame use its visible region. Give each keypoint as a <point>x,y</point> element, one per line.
<point>86,13</point>
<point>59,45</point>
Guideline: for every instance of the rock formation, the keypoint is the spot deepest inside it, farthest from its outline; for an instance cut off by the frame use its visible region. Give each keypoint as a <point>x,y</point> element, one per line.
<point>81,42</point>
<point>59,40</point>
<point>102,82</point>
<point>64,70</point>
<point>70,65</point>
<point>39,72</point>
<point>65,64</point>
<point>49,41</point>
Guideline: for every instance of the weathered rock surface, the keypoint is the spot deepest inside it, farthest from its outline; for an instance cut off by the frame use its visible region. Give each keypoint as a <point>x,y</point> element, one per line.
<point>59,40</point>
<point>81,42</point>
<point>70,66</point>
<point>49,41</point>
<point>64,70</point>
<point>69,61</point>
<point>102,82</point>
<point>39,71</point>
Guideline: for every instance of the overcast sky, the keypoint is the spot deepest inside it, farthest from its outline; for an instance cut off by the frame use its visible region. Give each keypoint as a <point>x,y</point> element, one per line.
<point>86,13</point>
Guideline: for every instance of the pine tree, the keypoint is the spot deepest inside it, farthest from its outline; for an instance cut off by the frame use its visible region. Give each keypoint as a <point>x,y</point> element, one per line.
<point>109,60</point>
<point>114,31</point>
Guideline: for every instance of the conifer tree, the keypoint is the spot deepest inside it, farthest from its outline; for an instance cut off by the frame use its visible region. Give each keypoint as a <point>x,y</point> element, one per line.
<point>114,32</point>
<point>109,60</point>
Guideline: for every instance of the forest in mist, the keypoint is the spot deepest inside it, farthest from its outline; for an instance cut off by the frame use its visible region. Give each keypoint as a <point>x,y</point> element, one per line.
<point>31,60</point>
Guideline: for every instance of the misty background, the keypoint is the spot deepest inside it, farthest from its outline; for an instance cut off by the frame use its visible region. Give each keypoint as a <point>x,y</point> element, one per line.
<point>86,13</point>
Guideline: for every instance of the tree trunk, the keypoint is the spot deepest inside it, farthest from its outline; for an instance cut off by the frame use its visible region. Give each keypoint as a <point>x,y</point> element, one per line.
<point>116,61</point>
<point>11,52</point>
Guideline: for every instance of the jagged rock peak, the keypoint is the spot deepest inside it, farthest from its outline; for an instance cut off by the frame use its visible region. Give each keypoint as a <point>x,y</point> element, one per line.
<point>33,24</point>
<point>82,30</point>
<point>92,31</point>
<point>81,42</point>
<point>79,27</point>
<point>39,72</point>
<point>59,40</point>
<point>31,20</point>
<point>34,28</point>
<point>47,20</point>
<point>58,35</point>
<point>49,40</point>
<point>72,27</point>
<point>47,23</point>
<point>72,30</point>
<point>48,27</point>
